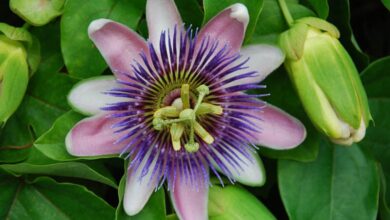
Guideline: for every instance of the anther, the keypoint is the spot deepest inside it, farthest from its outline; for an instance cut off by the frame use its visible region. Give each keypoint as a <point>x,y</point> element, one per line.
<point>191,147</point>
<point>202,133</point>
<point>158,124</point>
<point>177,130</point>
<point>203,91</point>
<point>168,111</point>
<point>188,114</point>
<point>207,108</point>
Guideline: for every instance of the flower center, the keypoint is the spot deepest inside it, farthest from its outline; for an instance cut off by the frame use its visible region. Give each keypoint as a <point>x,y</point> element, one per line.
<point>181,119</point>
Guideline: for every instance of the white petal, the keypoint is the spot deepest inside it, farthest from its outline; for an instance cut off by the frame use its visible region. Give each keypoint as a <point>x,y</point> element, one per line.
<point>252,172</point>
<point>161,15</point>
<point>138,190</point>
<point>263,58</point>
<point>87,96</point>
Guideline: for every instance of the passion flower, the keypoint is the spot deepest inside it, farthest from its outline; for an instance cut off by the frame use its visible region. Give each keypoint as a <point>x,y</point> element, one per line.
<point>176,107</point>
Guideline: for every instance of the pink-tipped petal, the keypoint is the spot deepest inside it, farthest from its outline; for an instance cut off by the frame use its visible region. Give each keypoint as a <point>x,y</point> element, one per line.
<point>161,15</point>
<point>190,203</point>
<point>251,171</point>
<point>93,136</point>
<point>279,130</point>
<point>228,27</point>
<point>118,44</point>
<point>139,187</point>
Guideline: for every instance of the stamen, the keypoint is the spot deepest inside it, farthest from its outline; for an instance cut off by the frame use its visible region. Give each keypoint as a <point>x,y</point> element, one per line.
<point>177,119</point>
<point>177,130</point>
<point>158,124</point>
<point>187,114</point>
<point>191,147</point>
<point>168,111</point>
<point>202,133</point>
<point>203,91</point>
<point>207,108</point>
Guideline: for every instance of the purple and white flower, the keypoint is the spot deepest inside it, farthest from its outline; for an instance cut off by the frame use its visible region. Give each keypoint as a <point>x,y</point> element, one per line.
<point>177,107</point>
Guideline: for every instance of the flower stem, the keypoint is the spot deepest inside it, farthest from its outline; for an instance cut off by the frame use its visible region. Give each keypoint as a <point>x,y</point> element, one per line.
<point>286,12</point>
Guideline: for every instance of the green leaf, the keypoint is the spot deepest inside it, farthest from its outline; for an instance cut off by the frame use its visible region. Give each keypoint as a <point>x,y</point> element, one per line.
<point>386,3</point>
<point>45,99</point>
<point>235,203</point>
<point>212,8</point>
<point>82,59</point>
<point>51,58</point>
<point>34,55</point>
<point>37,163</point>
<point>272,23</point>
<point>43,103</point>
<point>15,147</point>
<point>376,78</point>
<point>342,183</point>
<point>40,107</point>
<point>154,208</point>
<point>278,84</point>
<point>190,11</point>
<point>384,208</point>
<point>377,141</point>
<point>37,12</point>
<point>339,15</point>
<point>44,198</point>
<point>172,217</point>
<point>52,143</point>
<point>321,7</point>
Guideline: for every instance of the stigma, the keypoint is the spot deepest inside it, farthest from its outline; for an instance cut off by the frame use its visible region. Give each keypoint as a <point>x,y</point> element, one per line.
<point>181,119</point>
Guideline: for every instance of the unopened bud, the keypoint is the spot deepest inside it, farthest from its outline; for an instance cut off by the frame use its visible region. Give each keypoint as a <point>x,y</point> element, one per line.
<point>14,71</point>
<point>326,80</point>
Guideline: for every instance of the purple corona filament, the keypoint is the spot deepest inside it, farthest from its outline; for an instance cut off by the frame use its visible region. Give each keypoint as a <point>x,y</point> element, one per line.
<point>158,75</point>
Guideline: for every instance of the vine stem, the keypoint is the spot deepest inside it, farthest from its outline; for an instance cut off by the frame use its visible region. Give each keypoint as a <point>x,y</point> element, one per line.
<point>286,12</point>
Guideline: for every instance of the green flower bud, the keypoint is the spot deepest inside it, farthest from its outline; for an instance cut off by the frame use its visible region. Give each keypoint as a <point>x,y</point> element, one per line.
<point>37,12</point>
<point>15,65</point>
<point>326,80</point>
